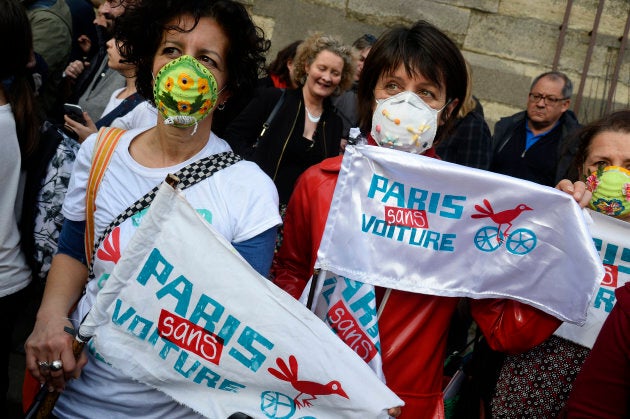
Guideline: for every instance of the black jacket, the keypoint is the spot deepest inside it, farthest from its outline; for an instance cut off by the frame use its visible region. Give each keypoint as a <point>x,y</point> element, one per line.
<point>546,162</point>
<point>282,152</point>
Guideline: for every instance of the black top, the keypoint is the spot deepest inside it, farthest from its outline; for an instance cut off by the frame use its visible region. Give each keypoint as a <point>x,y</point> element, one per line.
<point>283,153</point>
<point>470,142</point>
<point>546,162</point>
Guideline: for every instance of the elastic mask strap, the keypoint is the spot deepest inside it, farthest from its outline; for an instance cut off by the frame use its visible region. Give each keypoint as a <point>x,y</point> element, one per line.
<point>448,102</point>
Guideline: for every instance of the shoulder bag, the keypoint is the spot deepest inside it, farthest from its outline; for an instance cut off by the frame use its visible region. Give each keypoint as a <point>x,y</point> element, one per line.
<point>188,175</point>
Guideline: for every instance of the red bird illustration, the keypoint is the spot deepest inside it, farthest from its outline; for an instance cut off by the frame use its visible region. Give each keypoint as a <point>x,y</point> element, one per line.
<point>500,218</point>
<point>290,373</point>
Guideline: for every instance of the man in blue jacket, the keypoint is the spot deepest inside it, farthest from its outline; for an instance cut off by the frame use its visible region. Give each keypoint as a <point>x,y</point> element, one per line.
<point>536,144</point>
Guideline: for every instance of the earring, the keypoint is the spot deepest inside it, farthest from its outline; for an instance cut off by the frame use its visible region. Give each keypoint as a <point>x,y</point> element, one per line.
<point>221,106</point>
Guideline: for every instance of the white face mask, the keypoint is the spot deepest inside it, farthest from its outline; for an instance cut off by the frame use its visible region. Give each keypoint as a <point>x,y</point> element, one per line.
<point>405,122</point>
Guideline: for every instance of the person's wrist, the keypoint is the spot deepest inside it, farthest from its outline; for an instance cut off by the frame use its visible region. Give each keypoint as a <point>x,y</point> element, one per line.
<point>47,313</point>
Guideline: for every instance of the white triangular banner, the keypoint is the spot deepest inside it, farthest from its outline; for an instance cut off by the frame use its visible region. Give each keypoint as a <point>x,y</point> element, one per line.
<point>184,313</point>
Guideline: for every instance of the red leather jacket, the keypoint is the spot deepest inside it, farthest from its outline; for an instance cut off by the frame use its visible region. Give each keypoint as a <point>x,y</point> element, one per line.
<point>413,327</point>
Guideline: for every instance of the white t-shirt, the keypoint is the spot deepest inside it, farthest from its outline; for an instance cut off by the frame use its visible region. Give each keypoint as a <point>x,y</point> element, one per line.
<point>142,116</point>
<point>114,101</point>
<point>14,273</point>
<point>239,201</point>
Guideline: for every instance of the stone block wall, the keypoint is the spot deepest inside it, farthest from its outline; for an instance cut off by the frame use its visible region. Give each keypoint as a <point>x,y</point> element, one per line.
<point>507,42</point>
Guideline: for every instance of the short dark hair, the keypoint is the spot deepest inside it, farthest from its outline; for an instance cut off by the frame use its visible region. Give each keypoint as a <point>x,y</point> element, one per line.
<point>422,49</point>
<point>364,41</point>
<point>279,65</point>
<point>567,89</point>
<point>140,29</point>
<point>615,122</point>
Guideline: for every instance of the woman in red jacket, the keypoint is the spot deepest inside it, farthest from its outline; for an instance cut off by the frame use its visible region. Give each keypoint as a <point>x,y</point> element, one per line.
<point>424,68</point>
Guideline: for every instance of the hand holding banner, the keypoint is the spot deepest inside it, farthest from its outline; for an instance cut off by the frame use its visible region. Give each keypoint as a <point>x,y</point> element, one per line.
<point>413,223</point>
<point>184,313</point>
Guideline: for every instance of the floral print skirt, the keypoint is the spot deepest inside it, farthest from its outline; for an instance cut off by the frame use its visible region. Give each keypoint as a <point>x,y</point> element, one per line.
<point>537,383</point>
<point>283,212</point>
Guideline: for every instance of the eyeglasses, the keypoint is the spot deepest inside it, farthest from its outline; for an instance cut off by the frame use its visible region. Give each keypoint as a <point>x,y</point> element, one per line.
<point>548,100</point>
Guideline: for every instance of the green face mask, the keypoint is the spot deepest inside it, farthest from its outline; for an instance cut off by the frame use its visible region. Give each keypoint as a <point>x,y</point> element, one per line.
<point>611,191</point>
<point>185,92</point>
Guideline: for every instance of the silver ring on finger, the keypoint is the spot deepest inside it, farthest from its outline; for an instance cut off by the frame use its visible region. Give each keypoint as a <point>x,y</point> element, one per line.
<point>56,365</point>
<point>43,364</point>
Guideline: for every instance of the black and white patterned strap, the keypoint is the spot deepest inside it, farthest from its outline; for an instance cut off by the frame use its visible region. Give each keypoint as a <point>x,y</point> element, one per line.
<point>187,175</point>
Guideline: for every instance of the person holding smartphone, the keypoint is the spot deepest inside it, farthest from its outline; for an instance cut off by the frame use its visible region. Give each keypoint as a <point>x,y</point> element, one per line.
<point>90,82</point>
<point>74,112</point>
<point>80,125</point>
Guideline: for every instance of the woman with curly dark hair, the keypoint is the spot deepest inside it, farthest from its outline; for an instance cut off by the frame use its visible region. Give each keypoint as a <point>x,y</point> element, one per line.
<point>190,56</point>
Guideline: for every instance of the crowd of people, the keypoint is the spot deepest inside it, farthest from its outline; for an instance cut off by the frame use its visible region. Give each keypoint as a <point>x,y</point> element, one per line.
<point>132,90</point>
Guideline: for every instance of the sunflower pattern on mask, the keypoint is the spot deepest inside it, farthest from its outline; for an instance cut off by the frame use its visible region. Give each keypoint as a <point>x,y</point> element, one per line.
<point>202,86</point>
<point>184,81</point>
<point>185,91</point>
<point>168,86</point>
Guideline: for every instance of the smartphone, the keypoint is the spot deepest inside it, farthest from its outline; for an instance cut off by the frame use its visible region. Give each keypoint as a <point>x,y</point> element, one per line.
<point>74,112</point>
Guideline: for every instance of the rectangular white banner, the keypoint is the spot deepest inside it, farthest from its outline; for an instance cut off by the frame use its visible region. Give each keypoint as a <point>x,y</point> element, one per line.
<point>184,313</point>
<point>422,225</point>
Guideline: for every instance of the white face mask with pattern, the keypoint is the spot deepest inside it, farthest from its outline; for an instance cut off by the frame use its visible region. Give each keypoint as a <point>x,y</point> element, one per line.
<point>405,122</point>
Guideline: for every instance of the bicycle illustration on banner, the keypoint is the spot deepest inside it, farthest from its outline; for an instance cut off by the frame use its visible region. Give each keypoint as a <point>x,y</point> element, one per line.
<point>489,238</point>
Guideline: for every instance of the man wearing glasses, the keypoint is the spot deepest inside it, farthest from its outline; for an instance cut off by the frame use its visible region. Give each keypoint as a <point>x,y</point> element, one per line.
<point>535,144</point>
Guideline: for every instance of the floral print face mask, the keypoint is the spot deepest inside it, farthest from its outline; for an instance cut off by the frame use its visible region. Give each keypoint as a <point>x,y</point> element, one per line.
<point>611,190</point>
<point>185,92</point>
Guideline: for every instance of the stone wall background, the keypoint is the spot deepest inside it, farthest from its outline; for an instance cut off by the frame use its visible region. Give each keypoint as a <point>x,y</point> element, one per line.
<point>507,42</point>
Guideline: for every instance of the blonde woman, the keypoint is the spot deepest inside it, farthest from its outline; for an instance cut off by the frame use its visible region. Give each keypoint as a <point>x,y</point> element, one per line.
<point>306,128</point>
